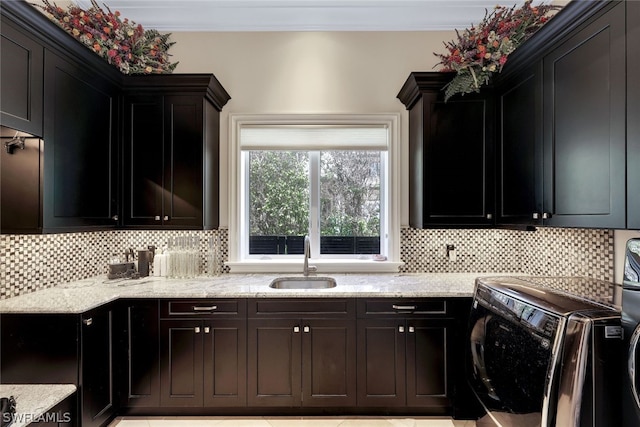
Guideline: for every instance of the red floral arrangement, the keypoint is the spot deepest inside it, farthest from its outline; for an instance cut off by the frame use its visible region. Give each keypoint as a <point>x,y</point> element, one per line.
<point>122,43</point>
<point>482,50</point>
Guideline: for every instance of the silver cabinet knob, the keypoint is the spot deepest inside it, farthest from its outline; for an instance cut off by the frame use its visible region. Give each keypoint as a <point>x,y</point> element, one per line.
<point>401,329</point>
<point>306,329</point>
<point>207,329</point>
<point>166,218</point>
<point>197,329</point>
<point>546,215</point>
<point>157,218</point>
<point>536,215</point>
<point>115,217</point>
<point>489,216</point>
<point>412,329</point>
<point>88,322</point>
<point>296,329</point>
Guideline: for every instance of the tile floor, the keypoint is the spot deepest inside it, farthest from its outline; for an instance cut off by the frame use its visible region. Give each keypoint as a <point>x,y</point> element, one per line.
<point>287,422</point>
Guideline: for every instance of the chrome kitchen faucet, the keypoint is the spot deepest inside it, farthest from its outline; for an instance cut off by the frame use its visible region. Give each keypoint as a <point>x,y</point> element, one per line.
<point>307,254</point>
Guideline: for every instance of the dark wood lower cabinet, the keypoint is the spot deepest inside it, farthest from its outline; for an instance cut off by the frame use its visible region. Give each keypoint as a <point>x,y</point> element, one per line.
<point>302,362</point>
<point>202,363</point>
<point>403,363</point>
<point>96,360</point>
<point>63,349</point>
<point>140,365</point>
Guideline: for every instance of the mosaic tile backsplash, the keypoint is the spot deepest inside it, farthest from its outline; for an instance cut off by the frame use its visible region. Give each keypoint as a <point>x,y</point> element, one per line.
<point>32,262</point>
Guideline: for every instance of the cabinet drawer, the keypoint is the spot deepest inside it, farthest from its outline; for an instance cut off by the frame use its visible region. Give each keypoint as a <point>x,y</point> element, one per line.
<point>296,307</point>
<point>203,308</point>
<point>401,307</point>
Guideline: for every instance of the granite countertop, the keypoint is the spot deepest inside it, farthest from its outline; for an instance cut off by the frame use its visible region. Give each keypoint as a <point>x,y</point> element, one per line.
<point>34,400</point>
<point>84,295</point>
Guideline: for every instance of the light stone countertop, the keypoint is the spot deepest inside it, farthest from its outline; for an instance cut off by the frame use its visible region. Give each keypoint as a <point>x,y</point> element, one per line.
<point>34,400</point>
<point>84,295</point>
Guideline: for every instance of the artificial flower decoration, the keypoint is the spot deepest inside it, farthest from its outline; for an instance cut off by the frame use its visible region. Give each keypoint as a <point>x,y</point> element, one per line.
<point>121,42</point>
<point>483,50</point>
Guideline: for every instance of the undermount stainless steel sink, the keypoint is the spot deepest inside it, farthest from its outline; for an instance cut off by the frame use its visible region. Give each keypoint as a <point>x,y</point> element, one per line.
<point>312,282</point>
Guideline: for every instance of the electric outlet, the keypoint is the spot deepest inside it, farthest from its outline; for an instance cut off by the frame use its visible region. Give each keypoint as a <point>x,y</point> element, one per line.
<point>451,253</point>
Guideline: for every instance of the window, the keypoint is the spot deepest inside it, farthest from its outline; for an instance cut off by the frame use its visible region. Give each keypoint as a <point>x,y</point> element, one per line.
<point>328,177</point>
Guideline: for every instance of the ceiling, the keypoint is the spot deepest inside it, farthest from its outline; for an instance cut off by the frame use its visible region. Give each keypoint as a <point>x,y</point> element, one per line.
<point>303,15</point>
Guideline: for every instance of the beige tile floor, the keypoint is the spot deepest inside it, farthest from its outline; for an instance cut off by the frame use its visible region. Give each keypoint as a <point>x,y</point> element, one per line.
<point>287,422</point>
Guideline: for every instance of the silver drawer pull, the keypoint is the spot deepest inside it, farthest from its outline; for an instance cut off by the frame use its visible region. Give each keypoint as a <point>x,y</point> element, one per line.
<point>404,307</point>
<point>88,321</point>
<point>212,308</point>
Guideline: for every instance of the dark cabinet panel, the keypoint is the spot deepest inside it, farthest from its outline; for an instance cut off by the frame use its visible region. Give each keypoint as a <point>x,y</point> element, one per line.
<point>181,362</point>
<point>428,381</point>
<point>381,363</point>
<point>21,68</point>
<point>519,173</point>
<point>140,361</point>
<point>274,369</point>
<point>183,173</point>
<point>451,154</point>
<point>97,373</point>
<point>143,162</point>
<point>80,178</point>
<point>329,362</point>
<point>584,125</point>
<point>225,363</point>
<point>21,188</point>
<point>633,114</point>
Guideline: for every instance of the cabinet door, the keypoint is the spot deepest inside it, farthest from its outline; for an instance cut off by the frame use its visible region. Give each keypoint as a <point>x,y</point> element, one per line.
<point>96,381</point>
<point>142,369</point>
<point>584,125</point>
<point>21,188</point>
<point>519,174</point>
<point>633,113</point>
<point>21,68</point>
<point>458,166</point>
<point>427,378</point>
<point>80,174</point>
<point>225,363</point>
<point>274,362</point>
<point>143,160</point>
<point>184,155</point>
<point>181,356</point>
<point>381,363</point>
<point>329,362</point>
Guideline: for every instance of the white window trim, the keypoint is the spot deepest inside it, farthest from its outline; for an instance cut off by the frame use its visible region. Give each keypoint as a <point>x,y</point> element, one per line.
<point>334,265</point>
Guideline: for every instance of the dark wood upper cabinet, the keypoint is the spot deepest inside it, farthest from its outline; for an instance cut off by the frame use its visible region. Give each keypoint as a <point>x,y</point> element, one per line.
<point>584,125</point>
<point>450,154</point>
<point>633,114</point>
<point>519,148</point>
<point>171,151</point>
<point>21,68</point>
<point>80,146</point>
